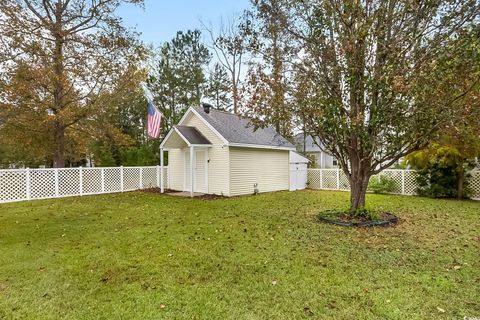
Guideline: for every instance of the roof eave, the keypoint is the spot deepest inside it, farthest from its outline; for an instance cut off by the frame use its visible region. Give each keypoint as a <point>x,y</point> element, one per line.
<point>260,146</point>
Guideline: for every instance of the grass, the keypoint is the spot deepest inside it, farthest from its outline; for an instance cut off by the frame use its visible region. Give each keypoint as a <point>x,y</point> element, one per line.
<point>149,256</point>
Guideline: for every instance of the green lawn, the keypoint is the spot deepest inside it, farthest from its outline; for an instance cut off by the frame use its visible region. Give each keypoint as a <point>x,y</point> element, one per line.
<point>145,256</point>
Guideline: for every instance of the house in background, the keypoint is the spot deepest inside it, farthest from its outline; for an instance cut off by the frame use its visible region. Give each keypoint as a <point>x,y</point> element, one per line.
<point>217,152</point>
<point>320,159</point>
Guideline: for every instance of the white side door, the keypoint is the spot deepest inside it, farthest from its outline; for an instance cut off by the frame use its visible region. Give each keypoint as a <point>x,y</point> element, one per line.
<point>201,171</point>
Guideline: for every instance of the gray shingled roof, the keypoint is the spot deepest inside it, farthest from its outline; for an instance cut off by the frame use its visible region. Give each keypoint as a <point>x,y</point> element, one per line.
<point>192,135</point>
<point>239,130</point>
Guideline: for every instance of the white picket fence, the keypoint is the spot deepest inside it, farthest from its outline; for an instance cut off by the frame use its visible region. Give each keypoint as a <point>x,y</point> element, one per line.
<point>30,184</point>
<point>335,179</point>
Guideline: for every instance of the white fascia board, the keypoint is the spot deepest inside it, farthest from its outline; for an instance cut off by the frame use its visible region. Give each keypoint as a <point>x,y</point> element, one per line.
<point>260,146</point>
<point>184,116</point>
<point>166,138</point>
<point>201,145</point>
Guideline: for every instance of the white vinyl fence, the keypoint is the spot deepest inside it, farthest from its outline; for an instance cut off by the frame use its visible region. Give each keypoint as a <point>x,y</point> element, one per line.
<point>335,179</point>
<point>30,184</point>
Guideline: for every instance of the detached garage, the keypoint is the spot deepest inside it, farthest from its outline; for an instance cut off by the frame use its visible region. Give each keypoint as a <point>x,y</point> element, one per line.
<point>217,152</point>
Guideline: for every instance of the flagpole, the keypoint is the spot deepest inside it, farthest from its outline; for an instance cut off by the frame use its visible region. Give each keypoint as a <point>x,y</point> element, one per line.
<point>161,153</point>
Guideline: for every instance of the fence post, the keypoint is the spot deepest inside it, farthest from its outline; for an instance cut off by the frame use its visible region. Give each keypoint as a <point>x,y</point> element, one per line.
<point>121,178</point>
<point>158,176</point>
<point>403,181</point>
<point>338,178</point>
<point>80,179</point>
<point>56,182</point>
<point>27,182</point>
<point>321,178</point>
<point>140,182</point>
<point>103,180</point>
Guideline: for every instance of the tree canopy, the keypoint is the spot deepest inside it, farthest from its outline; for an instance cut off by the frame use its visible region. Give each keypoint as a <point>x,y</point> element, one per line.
<point>61,60</point>
<point>369,72</point>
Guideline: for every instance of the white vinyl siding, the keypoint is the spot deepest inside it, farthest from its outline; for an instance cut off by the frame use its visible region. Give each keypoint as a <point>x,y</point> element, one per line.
<point>217,155</point>
<point>268,168</point>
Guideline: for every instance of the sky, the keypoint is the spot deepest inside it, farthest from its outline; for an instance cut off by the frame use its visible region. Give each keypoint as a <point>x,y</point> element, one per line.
<point>160,20</point>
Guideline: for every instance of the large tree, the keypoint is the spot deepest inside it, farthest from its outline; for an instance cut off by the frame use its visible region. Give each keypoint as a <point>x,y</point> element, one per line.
<point>177,79</point>
<point>229,47</point>
<point>267,79</point>
<point>58,57</point>
<point>218,88</point>
<point>456,145</point>
<point>371,68</point>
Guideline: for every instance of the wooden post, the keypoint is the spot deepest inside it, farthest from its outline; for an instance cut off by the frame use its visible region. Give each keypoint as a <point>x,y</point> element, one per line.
<point>403,181</point>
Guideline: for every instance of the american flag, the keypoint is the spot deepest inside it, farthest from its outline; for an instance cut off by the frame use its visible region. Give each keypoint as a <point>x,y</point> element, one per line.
<point>154,118</point>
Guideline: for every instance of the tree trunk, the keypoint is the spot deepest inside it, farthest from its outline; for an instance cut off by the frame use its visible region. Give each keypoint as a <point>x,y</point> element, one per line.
<point>59,142</point>
<point>360,175</point>
<point>358,191</point>
<point>235,93</point>
<point>59,90</point>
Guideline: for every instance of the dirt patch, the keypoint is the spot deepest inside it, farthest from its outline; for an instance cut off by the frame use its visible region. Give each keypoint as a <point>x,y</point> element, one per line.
<point>157,190</point>
<point>211,197</point>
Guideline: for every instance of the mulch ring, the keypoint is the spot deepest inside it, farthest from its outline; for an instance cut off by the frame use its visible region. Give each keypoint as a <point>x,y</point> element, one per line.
<point>385,220</point>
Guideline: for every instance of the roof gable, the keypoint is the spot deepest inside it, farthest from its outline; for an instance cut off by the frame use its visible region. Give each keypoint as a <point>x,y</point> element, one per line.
<point>238,131</point>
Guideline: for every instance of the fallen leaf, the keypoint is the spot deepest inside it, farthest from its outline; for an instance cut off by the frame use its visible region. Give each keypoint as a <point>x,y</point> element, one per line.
<point>441,310</point>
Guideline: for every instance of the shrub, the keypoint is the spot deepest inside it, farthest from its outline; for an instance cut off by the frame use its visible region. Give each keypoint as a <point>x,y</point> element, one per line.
<point>440,181</point>
<point>442,169</point>
<point>382,184</point>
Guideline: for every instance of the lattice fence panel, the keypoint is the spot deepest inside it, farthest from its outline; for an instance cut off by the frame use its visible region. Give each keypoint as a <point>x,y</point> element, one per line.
<point>149,177</point>
<point>475,184</point>
<point>395,175</point>
<point>42,183</point>
<point>13,185</point>
<point>112,178</point>
<point>313,178</point>
<point>68,182</point>
<point>92,180</point>
<point>131,179</point>
<point>344,183</point>
<point>166,179</point>
<point>410,187</point>
<point>329,179</point>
